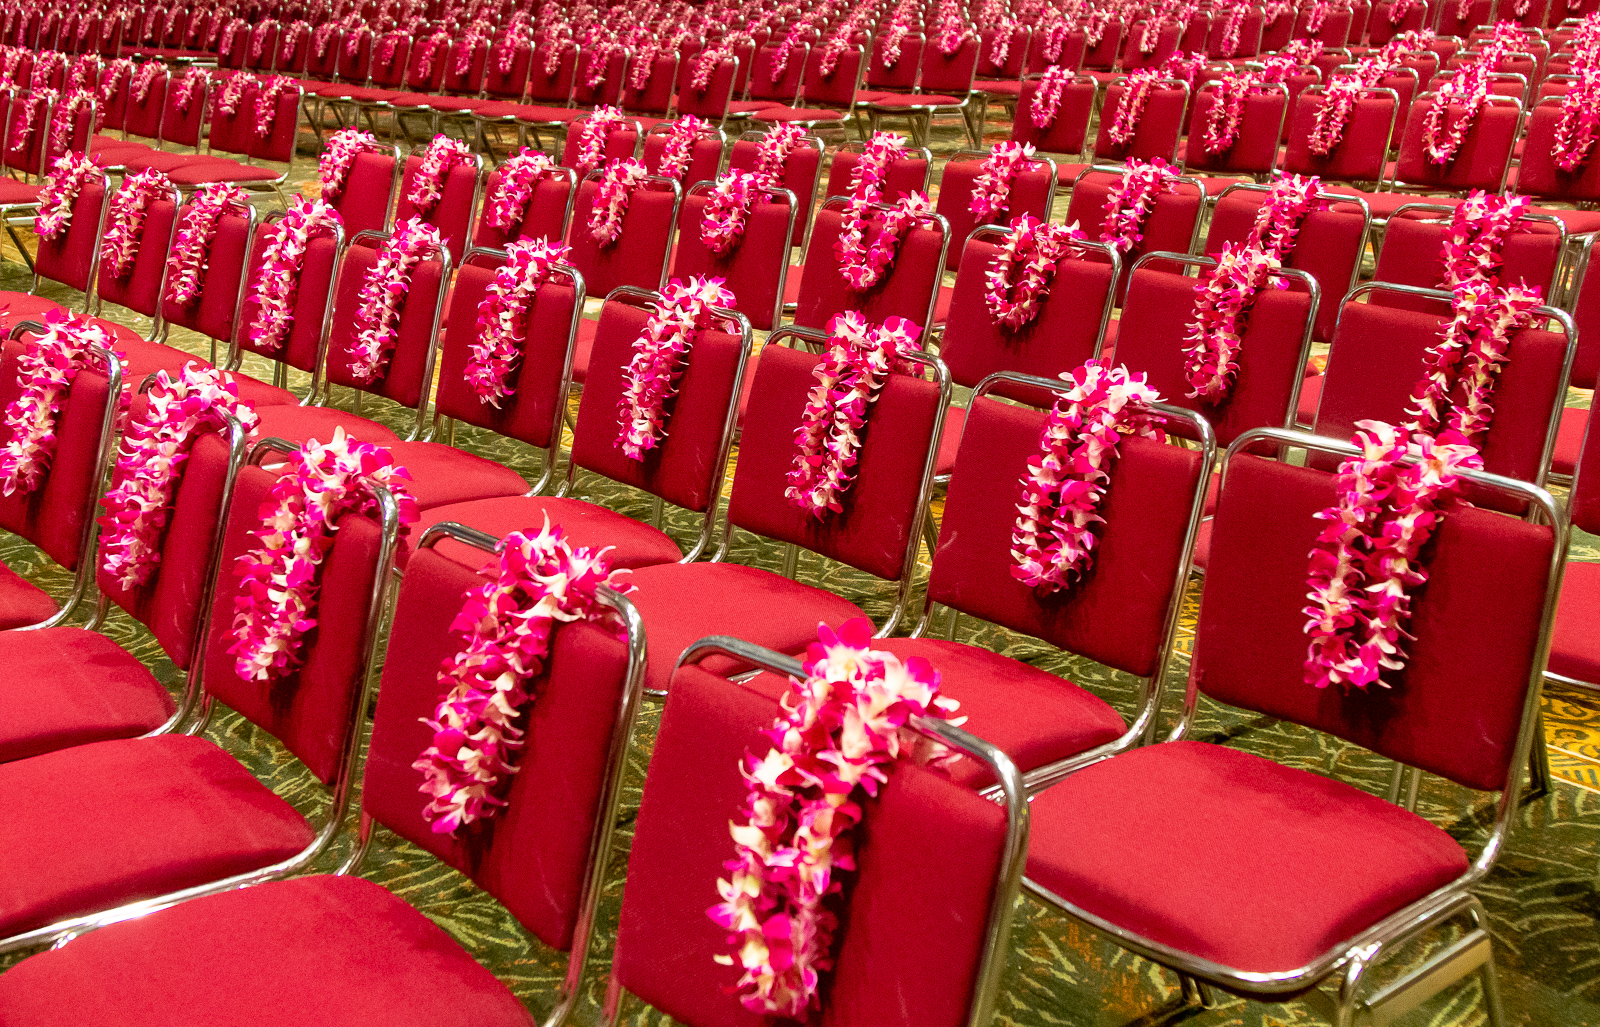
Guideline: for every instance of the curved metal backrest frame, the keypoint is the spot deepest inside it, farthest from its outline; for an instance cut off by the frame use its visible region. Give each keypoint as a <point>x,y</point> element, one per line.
<point>1356,200</point>
<point>1419,107</point>
<point>933,221</point>
<point>1108,253</point>
<point>1564,243</point>
<point>1279,89</point>
<point>772,195</point>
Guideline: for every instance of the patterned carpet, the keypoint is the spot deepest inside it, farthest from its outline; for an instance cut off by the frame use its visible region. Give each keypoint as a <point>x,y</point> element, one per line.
<point>1542,900</point>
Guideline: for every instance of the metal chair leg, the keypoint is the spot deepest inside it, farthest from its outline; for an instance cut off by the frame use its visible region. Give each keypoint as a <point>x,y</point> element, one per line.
<point>1539,778</point>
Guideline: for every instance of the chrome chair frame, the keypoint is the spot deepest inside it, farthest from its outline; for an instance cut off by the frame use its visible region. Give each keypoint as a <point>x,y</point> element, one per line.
<point>93,277</point>
<point>1418,109</point>
<point>773,195</point>
<point>933,221</point>
<point>811,140</point>
<point>1318,88</point>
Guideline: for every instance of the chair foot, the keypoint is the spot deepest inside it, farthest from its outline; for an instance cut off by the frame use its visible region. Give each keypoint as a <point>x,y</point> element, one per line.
<point>1539,778</point>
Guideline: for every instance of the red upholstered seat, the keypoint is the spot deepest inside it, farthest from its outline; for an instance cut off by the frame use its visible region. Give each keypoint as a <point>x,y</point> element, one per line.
<point>1569,440</point>
<point>197,173</point>
<point>297,423</point>
<point>800,115</point>
<point>748,106</point>
<point>1573,652</point>
<point>77,686</point>
<point>21,601</point>
<point>915,100</point>
<point>504,109</point>
<point>1232,857</point>
<point>633,542</point>
<point>442,475</point>
<point>12,191</point>
<point>433,101</point>
<point>141,817</point>
<point>314,949</point>
<point>533,112</point>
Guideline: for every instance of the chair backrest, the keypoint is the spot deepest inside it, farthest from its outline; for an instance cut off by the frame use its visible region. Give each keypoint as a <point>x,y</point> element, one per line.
<point>801,174</point>
<point>1329,246</point>
<point>621,142</point>
<point>1068,132</point>
<point>1153,332</point>
<point>79,131</point>
<point>587,92</point>
<point>639,255</point>
<point>182,112</point>
<point>140,288</point>
<point>1334,30</point>
<point>114,105</point>
<point>1103,55</point>
<point>1016,38</point>
<point>786,90</point>
<point>425,69</point>
<point>1377,359</point>
<point>1478,630</point>
<point>837,88</point>
<point>1247,42</point>
<point>1164,41</point>
<point>1586,314</point>
<point>1255,149</point>
<point>278,143</point>
<point>297,42</point>
<point>354,62</point>
<point>1414,238</point>
<point>1484,158</point>
<point>656,95</point>
<point>369,190</point>
<point>949,74</point>
<point>1381,27</point>
<point>262,48</point>
<point>756,268</point>
<point>705,154</point>
<point>1068,330</point>
<point>452,213</point>
<point>73,256</point>
<point>1033,190</point>
<point>215,307</point>
<point>391,54</point>
<point>1584,505</point>
<point>553,87</point>
<point>712,101</point>
<point>233,132</point>
<point>468,81</point>
<point>906,174</point>
<point>1363,148</point>
<point>143,114</point>
<point>548,212</point>
<point>1173,223</point>
<point>25,150</point>
<point>907,288</point>
<point>1156,134</point>
<point>1538,175</point>
<point>313,301</point>
<point>901,76</point>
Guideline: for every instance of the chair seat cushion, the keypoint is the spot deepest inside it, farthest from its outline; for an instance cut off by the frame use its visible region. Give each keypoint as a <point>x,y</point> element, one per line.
<point>916,101</point>
<point>369,94</point>
<point>539,114</point>
<point>442,475</point>
<point>498,109</point>
<point>112,822</point>
<point>326,90</point>
<point>750,106</point>
<point>69,686</point>
<point>22,602</point>
<point>728,599</point>
<point>220,171</point>
<point>1569,440</point>
<point>1230,856</point>
<point>799,115</point>
<point>1383,205</point>
<point>298,423</point>
<point>1067,174</point>
<point>869,95</point>
<point>1009,88</point>
<point>1310,399</point>
<point>316,949</point>
<point>634,543</point>
<point>1577,222</point>
<point>433,102</point>
<point>583,348</point>
<point>1574,644</point>
<point>12,192</point>
<point>168,162</point>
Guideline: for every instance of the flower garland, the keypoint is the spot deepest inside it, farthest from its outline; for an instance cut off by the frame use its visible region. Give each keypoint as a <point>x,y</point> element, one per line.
<point>1456,392</point>
<point>187,88</point>
<point>59,192</point>
<point>991,192</point>
<point>333,167</point>
<point>1047,96</point>
<point>110,82</point>
<point>1225,297</point>
<point>63,117</point>
<point>872,167</point>
<point>889,48</point>
<point>1130,201</point>
<point>1226,115</point>
<point>383,293</point>
<point>1005,29</point>
<point>26,110</point>
<point>277,600</point>
<point>125,221</point>
<point>1318,13</point>
<point>1131,104</point>
<point>1014,303</point>
<point>837,735</point>
<point>1399,9</point>
<point>258,38</point>
<point>1578,124</point>
<point>1053,539</point>
<point>427,53</point>
<point>659,358</point>
<point>45,372</point>
<point>951,32</point>
<point>681,137</point>
<point>498,341</point>
<point>705,65</point>
<point>279,281</point>
<point>553,53</point>
<point>1364,567</point>
<point>727,210</point>
<point>10,61</point>
<point>427,188</point>
<point>519,177</point>
<point>774,149</point>
<point>150,463</point>
<point>862,264</point>
<point>232,93</point>
<point>191,250</point>
<point>595,132</point>
<point>1469,90</point>
<point>617,184</point>
<point>267,92</point>
<point>506,627</point>
<point>1232,27</point>
<point>836,45</point>
<point>144,79</point>
<point>858,358</point>
<point>290,41</point>
<point>1473,246</point>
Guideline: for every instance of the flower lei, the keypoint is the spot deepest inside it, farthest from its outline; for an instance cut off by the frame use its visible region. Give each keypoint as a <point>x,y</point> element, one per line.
<point>1472,249</point>
<point>277,600</point>
<point>552,57</point>
<point>597,129</point>
<point>838,732</point>
<point>1225,297</point>
<point>281,260</point>
<point>185,91</point>
<point>1131,104</point>
<point>659,357</point>
<point>110,82</point>
<point>150,463</point>
<point>383,293</point>
<point>706,63</point>
<point>232,92</point>
<point>1318,14</point>
<point>1038,246</point>
<point>1578,124</point>
<point>1456,392</point>
<point>60,191</point>
<point>1047,97</point>
<point>519,177</point>
<point>1053,539</point>
<point>498,341</point>
<point>872,167</point>
<point>144,79</point>
<point>950,34</point>
<point>991,192</point>
<point>333,167</point>
<point>45,65</point>
<point>192,248</point>
<point>1226,115</point>
<point>45,372</point>
<point>125,222</point>
<point>1365,562</point>
<point>835,47</point>
<point>727,209</point>
<point>1130,201</point>
<point>258,38</point>
<point>1004,30</point>
<point>858,358</point>
<point>1470,90</point>
<point>65,112</point>
<point>862,264</point>
<point>1398,9</point>
<point>681,136</point>
<point>1232,28</point>
<point>617,183</point>
<point>889,49</point>
<point>428,52</point>
<point>22,121</point>
<point>506,626</point>
<point>291,40</point>
<point>774,149</point>
<point>792,38</point>
<point>10,61</point>
<point>267,92</point>
<point>427,187</point>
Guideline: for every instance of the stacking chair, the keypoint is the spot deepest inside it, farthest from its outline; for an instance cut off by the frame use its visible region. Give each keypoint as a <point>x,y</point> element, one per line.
<point>453,213</point>
<point>238,134</point>
<point>1254,153</point>
<point>1001,80</point>
<point>934,846</point>
<point>685,470</point>
<point>1574,659</point>
<point>608,90</point>
<point>337,945</point>
<point>140,289</point>
<point>1033,190</point>
<point>391,60</point>
<point>1173,223</point>
<point>908,287</point>
<point>1537,172</point>
<point>1482,162</point>
<point>830,99</point>
<point>801,174</point>
<point>705,154</point>
<point>423,83</point>
<point>1381,28</point>
<point>652,101</point>
<point>945,86</point>
<point>1333,32</point>
<point>1249,41</point>
<point>549,211</point>
<point>1102,55</point>
<point>1584,302</point>
<point>1068,134</point>
<point>174,816</point>
<point>640,255</point>
<point>1156,134</point>
<point>549,95</point>
<point>1362,152</point>
<point>763,92</point>
<point>1321,879</point>
<point>906,174</point>
<point>71,259</point>
<point>712,102</point>
<point>1168,35</point>
<point>1415,236</point>
<point>622,142</point>
<point>370,188</point>
<point>757,269</point>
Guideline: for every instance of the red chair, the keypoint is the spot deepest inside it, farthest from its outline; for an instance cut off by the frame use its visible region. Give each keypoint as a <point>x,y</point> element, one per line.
<point>801,175</point>
<point>1001,80</point>
<point>24,152</point>
<point>1574,660</point>
<point>370,188</point>
<point>1173,223</point>
<point>1102,55</point>
<point>175,816</point>
<point>621,143</point>
<point>1334,30</point>
<point>639,256</point>
<point>1381,27</point>
<point>70,259</point>
<point>607,91</point>
<point>906,174</point>
<point>1537,173</point>
<point>757,269</point>
<point>549,91</point>
<point>238,134</point>
<point>453,213</point>
<point>1361,155</point>
<point>705,154</point>
<point>830,99</point>
<point>345,947</point>
<point>653,100</point>
<point>140,288</point>
<point>1068,134</point>
<point>934,846</point>
<point>686,470</point>
<point>1158,129</point>
<point>1319,879</point>
<point>1254,152</point>
<point>1584,303</point>
<point>766,94</point>
<point>425,72</point>
<point>547,216</point>
<point>1033,191</point>
<point>711,102</point>
<point>214,309</point>
<point>1166,37</point>
<point>1248,40</point>
<point>908,287</point>
<point>1482,162</point>
<point>944,86</point>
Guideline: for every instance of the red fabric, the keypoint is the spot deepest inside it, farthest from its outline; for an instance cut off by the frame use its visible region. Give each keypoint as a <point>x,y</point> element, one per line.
<point>800,115</point>
<point>916,100</point>
<point>21,601</point>
<point>197,172</point>
<point>403,380</point>
<point>1232,857</point>
<point>751,269</point>
<point>1585,505</point>
<point>942,73</point>
<point>117,821</point>
<point>1569,440</point>
<point>546,217</point>
<point>1538,174</point>
<point>906,288</point>
<point>278,144</point>
<point>621,144</point>
<point>67,257</point>
<point>1168,35</point>
<point>1481,159</point>
<point>441,474</point>
<point>1255,151</point>
<point>705,156</point>
<point>211,312</point>
<point>1031,193</point>
<point>1456,708</point>
<point>68,686</point>
<point>1411,256</point>
<point>555,88</point>
<point>340,949</point>
<point>1070,129</point>
<point>364,202</point>
<point>1169,226</point>
<point>633,543</point>
<point>140,289</point>
<point>656,96</point>
<point>609,91</point>
<point>785,91</point>
<point>1573,652</point>
<point>904,175</point>
<point>1156,134</point>
<point>14,192</point>
<point>304,337</point>
<point>902,75</point>
<point>640,253</point>
<point>801,173</point>
<point>453,213</point>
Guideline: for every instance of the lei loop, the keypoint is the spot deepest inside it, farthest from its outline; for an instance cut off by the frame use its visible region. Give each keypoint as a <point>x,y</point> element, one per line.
<point>125,221</point>
<point>832,744</point>
<point>1578,124</point>
<point>991,192</point>
<point>858,358</point>
<point>519,178</point>
<point>727,210</point>
<point>679,148</point>
<point>333,167</point>
<point>191,250</point>
<point>1130,201</point>
<point>611,199</point>
<point>279,281</point>
<point>185,90</point>
<point>1014,302</point>
<point>1053,539</point>
<point>62,117</point>
<point>871,170</point>
<point>49,364</point>
<point>59,192</point>
<point>267,93</point>
<point>232,92</point>
<point>706,63</point>
<point>150,463</point>
<point>659,358</point>
<point>506,626</point>
<point>144,79</point>
<point>774,149</point>
<point>427,188</point>
<point>862,264</point>
<point>383,294</point>
<point>502,313</point>
<point>1047,97</point>
<point>596,131</point>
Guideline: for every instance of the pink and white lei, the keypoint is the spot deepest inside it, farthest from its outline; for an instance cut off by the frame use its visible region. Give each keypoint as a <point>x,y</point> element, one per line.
<point>1578,125</point>
<point>858,359</point>
<point>506,626</point>
<point>991,192</point>
<point>659,358</point>
<point>727,210</point>
<point>383,294</point>
<point>443,154</point>
<point>681,136</point>
<point>150,464</point>
<point>63,116</point>
<point>1131,104</point>
<point>276,604</point>
<point>333,167</point>
<point>125,221</point>
<point>267,93</point>
<point>617,184</point>
<point>872,167</point>
<point>1469,90</point>
<point>290,41</point>
<point>1053,539</point>
<point>596,131</point>
<point>519,178</point>
<point>281,260</point>
<point>45,372</point>
<point>1047,96</point>
<point>774,149</point>
<point>501,314</point>
<point>1364,567</point>
<point>1456,392</point>
<point>59,192</point>
<point>144,79</point>
<point>1038,247</point>
<point>1130,201</point>
<point>838,733</point>
<point>191,250</point>
<point>232,92</point>
<point>185,89</point>
<point>862,264</point>
<point>705,65</point>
